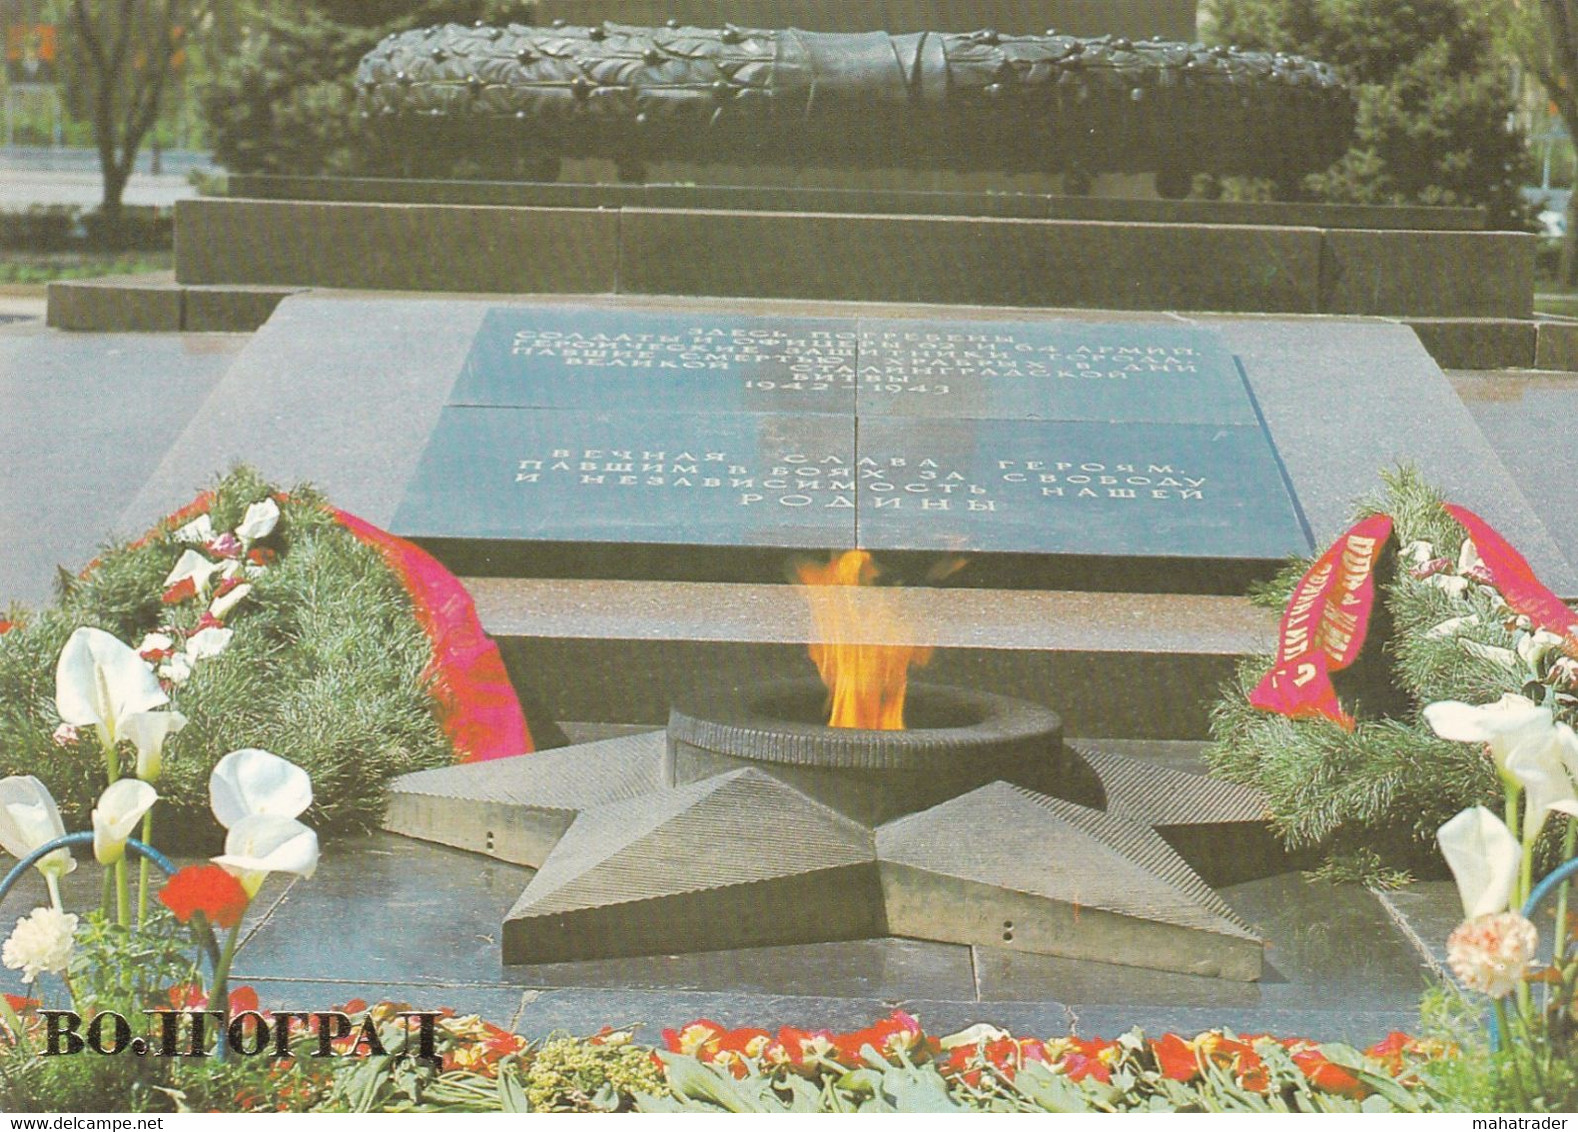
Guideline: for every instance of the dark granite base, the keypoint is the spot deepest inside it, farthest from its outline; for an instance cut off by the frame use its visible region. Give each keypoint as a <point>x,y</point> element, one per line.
<point>1006,261</point>
<point>426,933</point>
<point>784,198</point>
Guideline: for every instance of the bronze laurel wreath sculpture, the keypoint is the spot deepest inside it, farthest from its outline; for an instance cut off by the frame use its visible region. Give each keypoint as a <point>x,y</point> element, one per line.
<point>1043,103</point>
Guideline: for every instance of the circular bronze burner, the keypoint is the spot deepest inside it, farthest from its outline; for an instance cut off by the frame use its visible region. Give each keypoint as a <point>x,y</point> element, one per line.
<point>780,722</point>
<point>956,739</point>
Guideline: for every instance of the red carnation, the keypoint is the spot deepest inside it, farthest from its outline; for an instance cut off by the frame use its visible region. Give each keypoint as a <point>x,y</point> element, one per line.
<point>1176,1058</point>
<point>226,545</point>
<point>1328,1077</point>
<point>207,889</point>
<point>191,996</point>
<point>184,590</point>
<point>1389,1051</point>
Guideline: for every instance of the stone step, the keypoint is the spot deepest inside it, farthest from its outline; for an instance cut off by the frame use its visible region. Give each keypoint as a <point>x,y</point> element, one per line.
<point>1499,343</point>
<point>859,257</point>
<point>1137,666</point>
<point>760,194</point>
<point>157,303</point>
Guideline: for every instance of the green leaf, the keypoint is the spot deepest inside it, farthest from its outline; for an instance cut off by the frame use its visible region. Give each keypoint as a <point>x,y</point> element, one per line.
<point>690,1078</point>
<point>1050,1091</point>
<point>648,1102</point>
<point>803,1096</point>
<point>918,1090</point>
<point>512,1098</point>
<point>1346,1057</point>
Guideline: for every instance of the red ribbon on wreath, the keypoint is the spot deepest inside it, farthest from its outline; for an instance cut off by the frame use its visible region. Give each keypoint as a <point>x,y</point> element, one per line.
<point>1324,626</point>
<point>1326,620</point>
<point>477,705</point>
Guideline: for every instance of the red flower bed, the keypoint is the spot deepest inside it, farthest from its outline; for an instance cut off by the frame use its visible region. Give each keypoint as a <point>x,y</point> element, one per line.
<point>973,1054</point>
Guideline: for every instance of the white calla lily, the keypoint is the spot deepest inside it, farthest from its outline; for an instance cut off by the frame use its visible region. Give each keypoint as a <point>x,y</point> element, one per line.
<point>195,566</point>
<point>1540,767</point>
<point>1484,856</point>
<point>205,644</point>
<point>156,642</point>
<point>29,820</point>
<point>1452,626</point>
<point>1505,658</point>
<point>147,731</point>
<point>251,781</point>
<point>200,529</point>
<point>1451,583</point>
<point>100,681</point>
<point>1467,556</point>
<point>177,670</point>
<point>259,521</point>
<point>260,844</point>
<point>1533,647</point>
<point>973,1036</point>
<point>120,808</point>
<point>1419,552</point>
<point>1502,725</point>
<point>221,606</point>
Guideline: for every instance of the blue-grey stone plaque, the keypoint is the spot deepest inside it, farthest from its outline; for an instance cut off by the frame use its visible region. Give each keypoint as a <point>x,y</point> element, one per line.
<point>610,360</point>
<point>563,475</point>
<point>598,437</point>
<point>1058,487</point>
<point>605,359</point>
<point>1050,371</point>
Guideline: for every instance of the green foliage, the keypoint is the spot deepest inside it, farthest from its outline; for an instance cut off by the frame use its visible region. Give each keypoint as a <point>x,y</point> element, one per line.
<point>284,100</point>
<point>485,1069</point>
<point>112,968</point>
<point>1361,866</point>
<point>1434,98</point>
<point>119,63</point>
<point>123,969</point>
<point>1374,797</point>
<point>1478,1080</point>
<point>23,268</point>
<point>573,1075</point>
<point>326,669</point>
<point>1136,1086</point>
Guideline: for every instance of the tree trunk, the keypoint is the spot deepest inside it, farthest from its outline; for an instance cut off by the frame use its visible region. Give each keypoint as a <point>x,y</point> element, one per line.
<point>1567,273</point>
<point>115,178</point>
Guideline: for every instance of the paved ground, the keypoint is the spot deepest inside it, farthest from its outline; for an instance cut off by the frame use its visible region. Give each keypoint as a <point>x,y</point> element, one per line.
<point>40,176</point>
<point>88,417</point>
<point>386,917</point>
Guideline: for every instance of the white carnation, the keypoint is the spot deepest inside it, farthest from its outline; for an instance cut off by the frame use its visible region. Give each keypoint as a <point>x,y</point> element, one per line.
<point>1491,954</point>
<point>41,943</point>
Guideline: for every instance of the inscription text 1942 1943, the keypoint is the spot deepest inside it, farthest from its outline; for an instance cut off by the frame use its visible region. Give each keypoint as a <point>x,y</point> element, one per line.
<point>1053,438</point>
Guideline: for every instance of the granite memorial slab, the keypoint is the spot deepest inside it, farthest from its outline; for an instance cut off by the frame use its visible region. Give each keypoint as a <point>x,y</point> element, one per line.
<point>1046,487</point>
<point>576,439</point>
<point>645,361</point>
<point>583,486</point>
<point>1050,371</point>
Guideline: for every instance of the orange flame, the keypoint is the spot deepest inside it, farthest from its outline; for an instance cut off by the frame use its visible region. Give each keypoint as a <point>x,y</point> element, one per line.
<point>866,673</point>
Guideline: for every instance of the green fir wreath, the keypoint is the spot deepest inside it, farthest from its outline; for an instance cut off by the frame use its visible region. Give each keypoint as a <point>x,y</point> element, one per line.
<point>1371,799</point>
<point>325,665</point>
